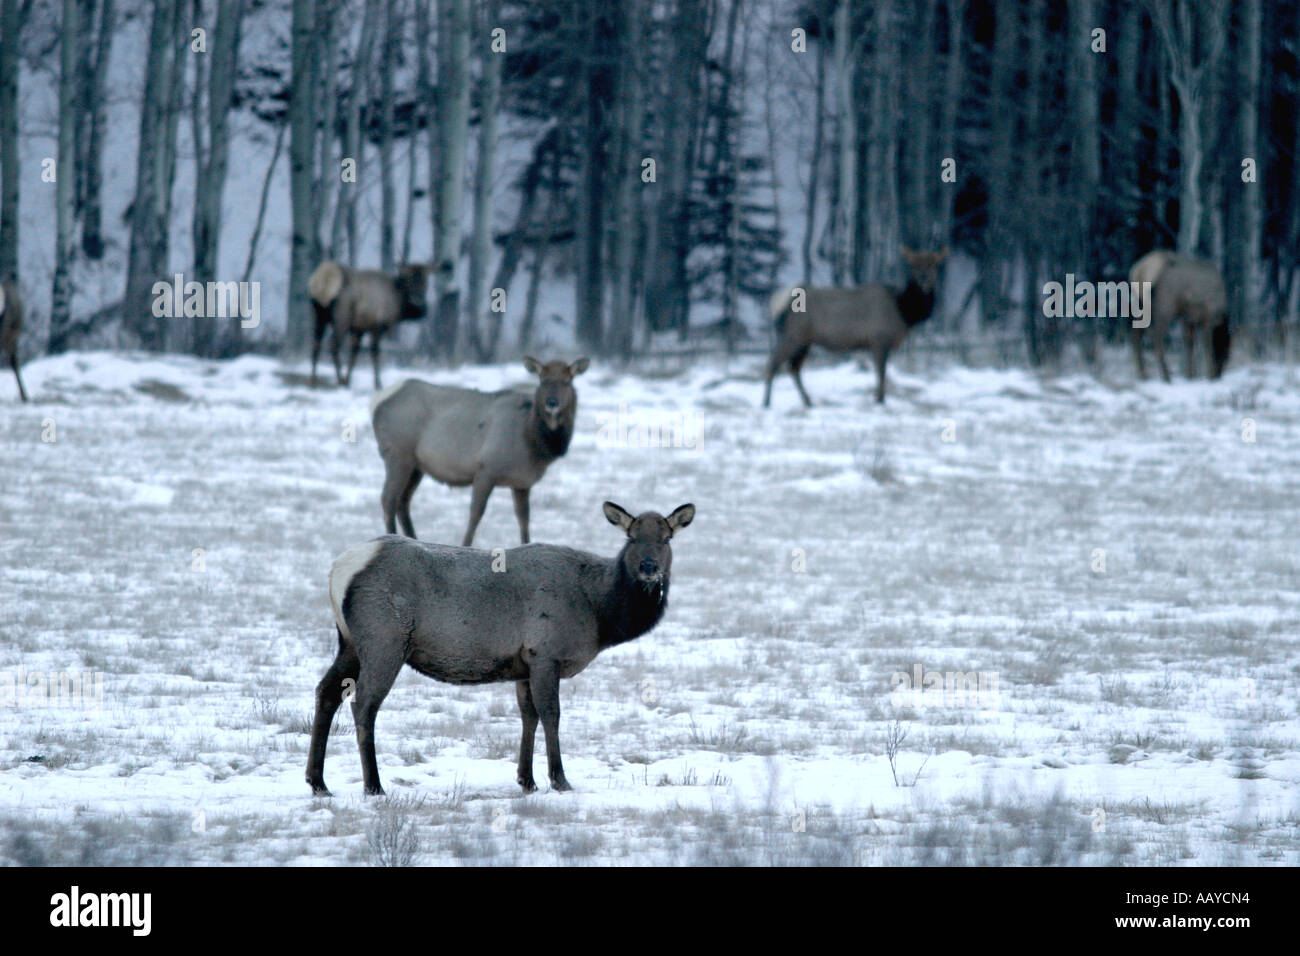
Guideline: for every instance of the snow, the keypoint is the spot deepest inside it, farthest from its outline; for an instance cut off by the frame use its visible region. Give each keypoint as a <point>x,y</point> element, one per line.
<point>175,537</point>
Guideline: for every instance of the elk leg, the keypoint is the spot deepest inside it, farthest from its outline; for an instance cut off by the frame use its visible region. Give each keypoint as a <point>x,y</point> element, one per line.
<point>767,388</point>
<point>374,352</point>
<point>322,322</point>
<point>329,694</point>
<point>528,714</point>
<point>13,362</point>
<point>396,480</point>
<point>404,503</point>
<point>521,512</point>
<point>375,681</point>
<point>352,358</point>
<point>881,356</point>
<point>1189,346</point>
<point>796,363</point>
<point>477,505</point>
<point>545,687</point>
<point>1159,342</point>
<point>336,346</point>
<point>1137,353</point>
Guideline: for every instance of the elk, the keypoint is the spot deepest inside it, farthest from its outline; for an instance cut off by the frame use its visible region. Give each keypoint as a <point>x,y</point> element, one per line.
<point>11,326</point>
<point>872,316</point>
<point>357,301</point>
<point>1189,288</point>
<point>452,614</point>
<point>462,437</point>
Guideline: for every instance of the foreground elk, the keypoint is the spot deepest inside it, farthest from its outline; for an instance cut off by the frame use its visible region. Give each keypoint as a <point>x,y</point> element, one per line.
<point>465,437</point>
<point>1187,288</point>
<point>454,615</point>
<point>356,301</point>
<point>872,316</point>
<point>11,326</point>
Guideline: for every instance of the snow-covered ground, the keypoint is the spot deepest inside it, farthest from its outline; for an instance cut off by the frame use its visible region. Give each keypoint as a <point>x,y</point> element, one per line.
<point>1115,562</point>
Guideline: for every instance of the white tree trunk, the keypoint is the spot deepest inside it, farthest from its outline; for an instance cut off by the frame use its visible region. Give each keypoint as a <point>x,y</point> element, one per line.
<point>453,127</point>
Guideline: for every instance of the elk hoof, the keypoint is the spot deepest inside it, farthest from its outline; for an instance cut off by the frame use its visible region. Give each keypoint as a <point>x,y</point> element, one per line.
<point>560,785</point>
<point>375,791</point>
<point>529,785</point>
<point>320,790</point>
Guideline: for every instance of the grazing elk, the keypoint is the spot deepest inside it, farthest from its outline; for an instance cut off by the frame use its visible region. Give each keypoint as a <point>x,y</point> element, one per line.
<point>11,326</point>
<point>356,301</point>
<point>872,316</point>
<point>1189,288</point>
<point>454,615</point>
<point>460,437</point>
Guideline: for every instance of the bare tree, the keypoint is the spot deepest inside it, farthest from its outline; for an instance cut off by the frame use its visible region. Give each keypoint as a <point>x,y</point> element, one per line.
<point>846,200</point>
<point>1250,291</point>
<point>453,125</point>
<point>93,120</point>
<point>354,146</point>
<point>212,157</point>
<point>302,140</point>
<point>11,27</point>
<point>66,177</point>
<point>628,151</point>
<point>1192,38</point>
<point>484,342</point>
<point>880,259</point>
<point>155,164</point>
<point>387,63</point>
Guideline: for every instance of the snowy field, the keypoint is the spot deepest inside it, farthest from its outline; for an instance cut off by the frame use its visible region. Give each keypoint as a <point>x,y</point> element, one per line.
<point>1114,562</point>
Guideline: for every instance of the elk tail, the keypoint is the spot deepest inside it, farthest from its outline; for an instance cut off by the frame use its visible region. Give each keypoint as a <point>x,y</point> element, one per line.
<point>326,283</point>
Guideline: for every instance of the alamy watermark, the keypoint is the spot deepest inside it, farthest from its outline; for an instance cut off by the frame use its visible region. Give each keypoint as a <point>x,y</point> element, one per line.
<point>208,300</point>
<point>650,429</point>
<point>81,690</point>
<point>920,688</point>
<point>1101,300</point>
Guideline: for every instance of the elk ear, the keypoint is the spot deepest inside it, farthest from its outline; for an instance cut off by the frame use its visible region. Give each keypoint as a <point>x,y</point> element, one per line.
<point>618,516</point>
<point>532,365</point>
<point>580,366</point>
<point>681,517</point>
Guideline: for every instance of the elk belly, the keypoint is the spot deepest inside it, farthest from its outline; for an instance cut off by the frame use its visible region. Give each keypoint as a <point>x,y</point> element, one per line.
<point>466,669</point>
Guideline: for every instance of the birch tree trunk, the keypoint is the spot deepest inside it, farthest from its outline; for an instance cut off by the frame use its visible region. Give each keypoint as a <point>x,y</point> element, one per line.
<point>302,139</point>
<point>815,165</point>
<point>484,342</point>
<point>328,185</point>
<point>847,199</point>
<point>11,27</point>
<point>147,258</point>
<point>1190,65</point>
<point>66,172</point>
<point>1250,293</point>
<point>387,202</point>
<point>354,147</point>
<point>453,116</point>
<point>589,288</point>
<point>881,259</point>
<point>92,240</point>
<point>952,93</point>
<point>210,181</point>
<point>628,154</point>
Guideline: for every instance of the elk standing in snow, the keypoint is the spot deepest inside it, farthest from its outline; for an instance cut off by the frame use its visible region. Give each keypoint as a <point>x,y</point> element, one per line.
<point>872,316</point>
<point>11,326</point>
<point>452,615</point>
<point>356,301</point>
<point>465,437</point>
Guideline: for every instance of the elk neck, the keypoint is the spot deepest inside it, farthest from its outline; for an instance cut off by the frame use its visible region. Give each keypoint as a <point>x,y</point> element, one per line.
<point>914,303</point>
<point>546,443</point>
<point>629,609</point>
